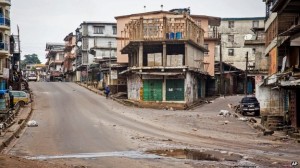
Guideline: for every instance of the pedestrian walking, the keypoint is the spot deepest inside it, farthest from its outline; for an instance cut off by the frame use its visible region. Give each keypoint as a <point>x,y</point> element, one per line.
<point>107,91</point>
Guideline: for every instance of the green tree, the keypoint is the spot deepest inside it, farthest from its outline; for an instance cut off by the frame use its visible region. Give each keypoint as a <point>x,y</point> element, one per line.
<point>30,59</point>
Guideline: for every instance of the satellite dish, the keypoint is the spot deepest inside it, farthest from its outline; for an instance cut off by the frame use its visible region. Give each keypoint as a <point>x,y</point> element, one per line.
<point>248,37</point>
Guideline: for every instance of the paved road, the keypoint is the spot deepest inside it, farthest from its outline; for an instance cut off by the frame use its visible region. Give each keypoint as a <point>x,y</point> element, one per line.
<point>76,123</point>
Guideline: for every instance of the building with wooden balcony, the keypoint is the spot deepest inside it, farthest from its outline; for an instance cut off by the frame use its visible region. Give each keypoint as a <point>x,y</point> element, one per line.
<point>55,58</point>
<point>165,55</point>
<point>283,49</point>
<point>4,35</point>
<point>69,58</point>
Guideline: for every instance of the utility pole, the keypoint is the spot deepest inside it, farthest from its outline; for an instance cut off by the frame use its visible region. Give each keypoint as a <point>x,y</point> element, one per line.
<point>221,71</point>
<point>246,75</point>
<point>109,44</point>
<point>19,45</point>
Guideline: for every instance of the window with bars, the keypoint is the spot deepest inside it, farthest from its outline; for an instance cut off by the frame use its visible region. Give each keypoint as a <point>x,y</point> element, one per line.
<point>114,30</point>
<point>230,38</point>
<point>206,47</point>
<point>99,29</point>
<point>231,52</point>
<point>230,24</point>
<point>255,23</point>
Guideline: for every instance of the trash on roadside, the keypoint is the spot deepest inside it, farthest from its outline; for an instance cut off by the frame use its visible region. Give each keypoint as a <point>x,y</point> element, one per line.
<point>252,120</point>
<point>226,122</point>
<point>224,113</point>
<point>243,119</point>
<point>32,123</point>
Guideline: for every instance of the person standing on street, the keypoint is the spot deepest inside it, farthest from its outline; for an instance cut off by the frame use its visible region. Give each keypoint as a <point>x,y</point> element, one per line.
<point>107,91</point>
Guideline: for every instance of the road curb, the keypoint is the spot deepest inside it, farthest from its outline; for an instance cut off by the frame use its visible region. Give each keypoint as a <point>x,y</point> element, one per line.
<point>7,141</point>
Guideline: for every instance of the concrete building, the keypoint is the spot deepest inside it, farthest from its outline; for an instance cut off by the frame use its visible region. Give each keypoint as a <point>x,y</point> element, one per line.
<point>69,58</point>
<point>55,57</point>
<point>212,39</point>
<point>4,42</point>
<point>165,54</point>
<point>97,47</point>
<point>233,32</point>
<point>280,91</point>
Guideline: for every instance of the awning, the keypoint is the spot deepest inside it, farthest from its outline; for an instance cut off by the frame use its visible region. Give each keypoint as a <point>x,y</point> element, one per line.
<point>290,83</point>
<point>160,73</point>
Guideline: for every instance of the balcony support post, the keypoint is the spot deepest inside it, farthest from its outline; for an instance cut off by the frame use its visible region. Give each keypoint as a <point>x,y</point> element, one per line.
<point>186,54</point>
<point>141,51</point>
<point>164,54</point>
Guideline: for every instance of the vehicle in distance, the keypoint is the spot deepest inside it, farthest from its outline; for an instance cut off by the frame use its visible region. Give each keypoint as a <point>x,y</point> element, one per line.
<point>249,104</point>
<point>32,77</point>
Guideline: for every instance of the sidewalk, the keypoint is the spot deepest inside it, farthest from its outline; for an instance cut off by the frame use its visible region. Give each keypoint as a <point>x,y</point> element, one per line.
<point>14,130</point>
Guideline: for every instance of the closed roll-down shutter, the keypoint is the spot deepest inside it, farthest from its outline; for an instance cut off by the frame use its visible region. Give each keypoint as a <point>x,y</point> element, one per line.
<point>152,90</point>
<point>175,90</point>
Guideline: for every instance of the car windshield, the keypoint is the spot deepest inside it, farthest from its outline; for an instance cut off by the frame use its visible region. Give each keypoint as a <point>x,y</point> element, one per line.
<point>249,100</point>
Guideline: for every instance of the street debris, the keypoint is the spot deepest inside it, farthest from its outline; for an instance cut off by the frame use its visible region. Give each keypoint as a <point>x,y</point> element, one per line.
<point>224,113</point>
<point>32,123</point>
<point>252,120</point>
<point>243,119</point>
<point>226,122</point>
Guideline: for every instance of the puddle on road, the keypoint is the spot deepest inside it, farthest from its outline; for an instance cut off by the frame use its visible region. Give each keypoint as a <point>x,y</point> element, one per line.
<point>197,155</point>
<point>153,154</point>
<point>128,154</point>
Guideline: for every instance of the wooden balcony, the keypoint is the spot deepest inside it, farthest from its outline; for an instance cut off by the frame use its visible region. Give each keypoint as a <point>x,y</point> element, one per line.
<point>169,28</point>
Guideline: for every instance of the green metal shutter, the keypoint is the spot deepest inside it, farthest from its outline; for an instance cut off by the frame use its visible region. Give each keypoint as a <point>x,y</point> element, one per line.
<point>152,90</point>
<point>175,90</point>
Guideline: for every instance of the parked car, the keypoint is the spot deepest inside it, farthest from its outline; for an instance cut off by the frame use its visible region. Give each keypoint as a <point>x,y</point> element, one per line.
<point>249,104</point>
<point>32,77</point>
<point>20,97</point>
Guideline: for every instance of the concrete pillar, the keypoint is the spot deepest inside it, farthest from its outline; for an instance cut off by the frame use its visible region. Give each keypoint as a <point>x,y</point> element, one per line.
<point>164,88</point>
<point>186,54</point>
<point>130,60</point>
<point>141,51</point>
<point>164,55</point>
<point>136,59</point>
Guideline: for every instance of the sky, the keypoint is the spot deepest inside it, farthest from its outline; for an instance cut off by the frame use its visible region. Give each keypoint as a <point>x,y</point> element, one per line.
<point>42,21</point>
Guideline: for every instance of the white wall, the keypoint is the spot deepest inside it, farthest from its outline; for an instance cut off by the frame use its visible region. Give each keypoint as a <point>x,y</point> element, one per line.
<point>191,88</point>
<point>134,85</point>
<point>270,99</point>
<point>241,29</point>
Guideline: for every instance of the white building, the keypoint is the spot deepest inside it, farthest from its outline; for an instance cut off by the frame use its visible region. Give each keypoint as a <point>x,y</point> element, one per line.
<point>97,43</point>
<point>233,33</point>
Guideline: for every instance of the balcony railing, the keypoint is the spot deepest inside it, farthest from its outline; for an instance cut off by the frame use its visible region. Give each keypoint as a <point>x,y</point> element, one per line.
<point>164,28</point>
<point>4,46</point>
<point>4,22</point>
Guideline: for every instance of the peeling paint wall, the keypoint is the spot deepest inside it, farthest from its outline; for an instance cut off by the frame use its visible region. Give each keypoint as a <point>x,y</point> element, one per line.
<point>191,88</point>
<point>134,85</point>
<point>271,100</point>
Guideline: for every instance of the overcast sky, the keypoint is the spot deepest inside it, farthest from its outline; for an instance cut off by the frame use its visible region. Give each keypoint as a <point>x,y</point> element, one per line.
<point>42,21</point>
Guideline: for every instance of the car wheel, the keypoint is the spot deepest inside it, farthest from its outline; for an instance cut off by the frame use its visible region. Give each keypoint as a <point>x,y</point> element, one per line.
<point>22,103</point>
